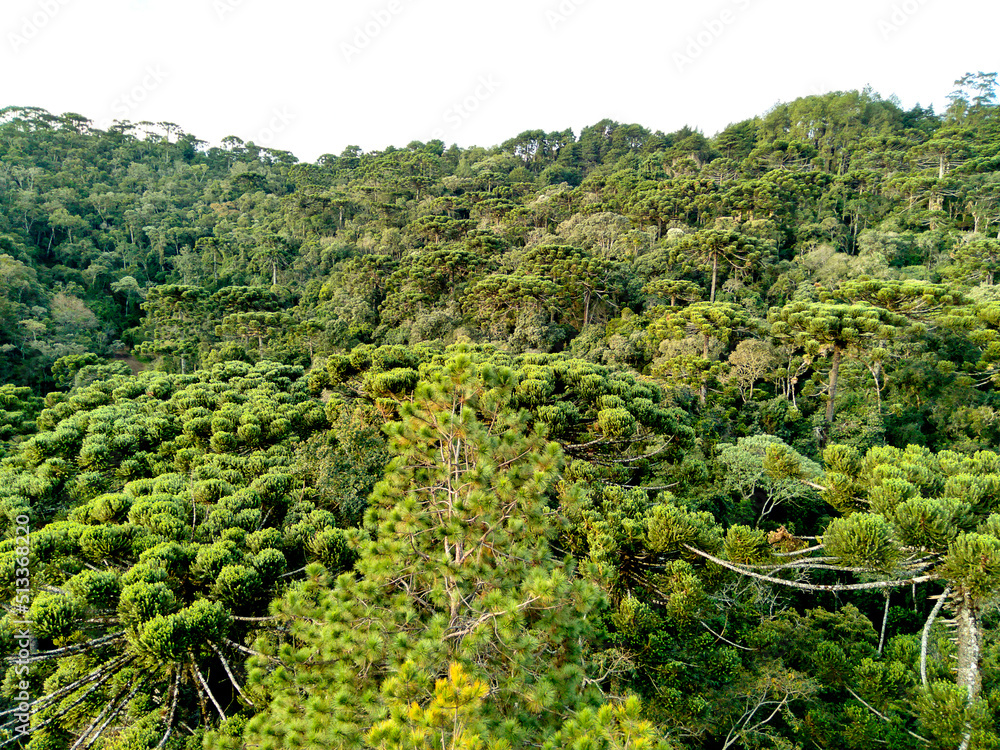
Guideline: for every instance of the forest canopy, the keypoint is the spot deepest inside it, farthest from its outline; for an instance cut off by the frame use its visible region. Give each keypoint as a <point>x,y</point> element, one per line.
<point>609,439</point>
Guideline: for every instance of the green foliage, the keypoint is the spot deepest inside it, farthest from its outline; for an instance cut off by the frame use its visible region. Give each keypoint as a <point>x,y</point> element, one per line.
<point>763,466</point>
<point>931,524</point>
<point>152,566</point>
<point>53,616</point>
<point>862,540</point>
<point>946,716</point>
<point>973,562</point>
<point>462,547</point>
<point>672,529</point>
<point>611,725</point>
<point>845,249</point>
<point>746,546</point>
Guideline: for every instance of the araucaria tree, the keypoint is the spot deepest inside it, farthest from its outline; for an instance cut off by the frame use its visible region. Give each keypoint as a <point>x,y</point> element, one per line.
<point>908,517</point>
<point>822,329</point>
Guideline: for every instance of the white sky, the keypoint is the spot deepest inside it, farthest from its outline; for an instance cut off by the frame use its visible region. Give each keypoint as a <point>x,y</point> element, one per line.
<point>313,77</point>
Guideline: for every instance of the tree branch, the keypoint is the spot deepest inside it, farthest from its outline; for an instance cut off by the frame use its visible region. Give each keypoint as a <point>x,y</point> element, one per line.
<point>114,713</point>
<point>229,672</point>
<point>810,586</point>
<point>173,709</point>
<point>204,684</point>
<point>925,636</point>
<point>882,716</point>
<point>42,655</point>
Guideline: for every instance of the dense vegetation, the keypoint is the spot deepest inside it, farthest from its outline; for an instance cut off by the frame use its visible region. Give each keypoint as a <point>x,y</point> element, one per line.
<point>612,440</point>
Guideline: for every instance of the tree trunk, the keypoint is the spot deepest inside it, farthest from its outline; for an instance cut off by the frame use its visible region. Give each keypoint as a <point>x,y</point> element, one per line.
<point>834,372</point>
<point>968,643</point>
<point>715,275</point>
<point>876,370</point>
<point>885,620</point>
<point>703,391</point>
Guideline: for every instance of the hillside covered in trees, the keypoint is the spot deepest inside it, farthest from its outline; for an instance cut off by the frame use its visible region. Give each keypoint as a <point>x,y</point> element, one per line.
<point>618,439</point>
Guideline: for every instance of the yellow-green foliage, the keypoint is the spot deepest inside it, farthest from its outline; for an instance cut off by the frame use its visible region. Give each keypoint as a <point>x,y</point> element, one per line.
<point>746,546</point>
<point>863,540</point>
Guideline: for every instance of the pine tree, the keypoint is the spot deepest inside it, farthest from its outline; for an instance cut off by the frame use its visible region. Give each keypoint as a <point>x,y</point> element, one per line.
<point>459,572</point>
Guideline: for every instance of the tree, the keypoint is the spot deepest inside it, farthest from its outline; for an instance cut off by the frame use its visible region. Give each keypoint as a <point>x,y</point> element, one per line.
<point>977,259</point>
<point>177,316</point>
<point>917,300</point>
<point>585,282</point>
<point>744,473</point>
<point>707,322</point>
<point>248,326</point>
<point>751,361</point>
<point>427,277</point>
<point>438,228</point>
<point>500,301</point>
<point>722,245</point>
<point>674,290</point>
<point>271,251</point>
<point>974,93</point>
<point>837,330</point>
<point>459,571</point>
<point>909,516</point>
<point>602,234</point>
<point>128,286</point>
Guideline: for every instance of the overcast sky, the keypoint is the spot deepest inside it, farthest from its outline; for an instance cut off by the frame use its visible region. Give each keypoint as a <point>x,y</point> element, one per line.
<point>313,77</point>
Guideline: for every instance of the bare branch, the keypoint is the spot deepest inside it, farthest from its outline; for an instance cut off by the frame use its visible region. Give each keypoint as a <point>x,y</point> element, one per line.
<point>250,651</point>
<point>797,552</point>
<point>59,715</point>
<point>810,586</point>
<point>925,636</point>
<point>173,709</point>
<point>97,719</point>
<point>229,672</point>
<point>208,691</point>
<point>90,677</point>
<point>65,651</point>
<point>724,639</point>
<point>114,713</point>
<point>487,616</point>
<point>254,619</point>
